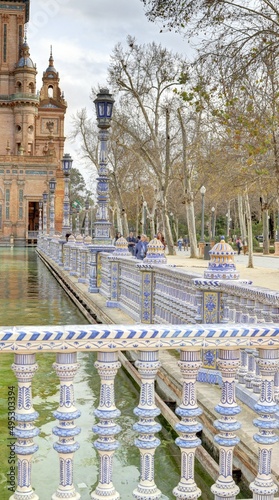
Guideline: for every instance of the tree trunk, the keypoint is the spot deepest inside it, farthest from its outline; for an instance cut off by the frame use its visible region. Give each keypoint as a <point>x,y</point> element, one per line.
<point>191,223</point>
<point>265,229</point>
<point>249,227</point>
<point>190,211</point>
<point>242,225</point>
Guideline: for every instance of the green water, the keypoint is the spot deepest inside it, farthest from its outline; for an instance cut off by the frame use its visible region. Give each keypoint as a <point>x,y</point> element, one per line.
<point>29,295</point>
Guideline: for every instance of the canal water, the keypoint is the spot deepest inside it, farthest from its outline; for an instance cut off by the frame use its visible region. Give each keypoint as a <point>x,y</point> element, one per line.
<point>30,295</point>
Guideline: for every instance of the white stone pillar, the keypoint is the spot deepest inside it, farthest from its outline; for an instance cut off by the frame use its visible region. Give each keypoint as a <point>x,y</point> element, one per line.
<point>66,367</point>
<point>107,365</point>
<point>190,362</point>
<point>263,487</point>
<point>25,367</point>
<point>147,364</point>
<point>225,487</point>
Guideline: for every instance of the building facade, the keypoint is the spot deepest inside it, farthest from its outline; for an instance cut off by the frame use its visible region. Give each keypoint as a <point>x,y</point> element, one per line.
<point>31,130</point>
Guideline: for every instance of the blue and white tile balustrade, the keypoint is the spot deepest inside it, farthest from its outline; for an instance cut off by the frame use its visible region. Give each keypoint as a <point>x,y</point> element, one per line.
<point>107,365</point>
<point>66,367</point>
<point>190,362</point>
<point>25,367</point>
<point>228,363</point>
<point>148,341</point>
<point>147,364</point>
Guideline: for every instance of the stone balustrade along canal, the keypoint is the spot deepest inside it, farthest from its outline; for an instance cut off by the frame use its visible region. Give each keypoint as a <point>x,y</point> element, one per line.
<point>189,336</point>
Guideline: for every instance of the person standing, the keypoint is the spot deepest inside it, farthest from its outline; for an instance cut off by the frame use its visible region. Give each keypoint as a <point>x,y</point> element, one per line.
<point>180,243</point>
<point>132,241</point>
<point>141,247</point>
<point>238,245</point>
<point>185,243</point>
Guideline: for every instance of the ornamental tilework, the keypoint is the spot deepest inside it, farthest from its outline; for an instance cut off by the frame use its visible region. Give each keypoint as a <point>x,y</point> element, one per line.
<point>211,303</point>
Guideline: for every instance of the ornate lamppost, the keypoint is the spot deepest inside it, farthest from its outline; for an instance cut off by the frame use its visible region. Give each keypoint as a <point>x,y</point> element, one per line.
<point>213,223</point>
<point>86,222</point>
<point>52,186</point>
<point>66,167</point>
<point>77,219</point>
<point>45,198</point>
<point>102,240</point>
<point>40,217</point>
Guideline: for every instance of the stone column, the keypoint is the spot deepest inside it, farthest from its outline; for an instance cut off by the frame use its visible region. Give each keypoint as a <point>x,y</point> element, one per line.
<point>107,365</point>
<point>66,367</point>
<point>190,362</point>
<point>263,487</point>
<point>147,364</point>
<point>225,487</point>
<point>25,367</point>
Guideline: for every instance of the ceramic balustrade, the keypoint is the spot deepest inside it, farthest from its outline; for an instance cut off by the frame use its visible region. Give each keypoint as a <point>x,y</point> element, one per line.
<point>177,296</point>
<point>147,341</point>
<point>83,260</point>
<point>252,304</point>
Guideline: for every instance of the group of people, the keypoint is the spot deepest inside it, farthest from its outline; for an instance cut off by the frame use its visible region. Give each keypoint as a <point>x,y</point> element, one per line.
<point>137,245</point>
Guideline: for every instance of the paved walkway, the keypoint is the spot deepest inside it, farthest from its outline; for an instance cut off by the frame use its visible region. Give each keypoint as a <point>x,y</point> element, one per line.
<point>265,272</point>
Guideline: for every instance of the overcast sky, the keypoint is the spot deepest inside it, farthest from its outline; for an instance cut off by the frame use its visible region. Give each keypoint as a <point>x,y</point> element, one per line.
<point>82,34</point>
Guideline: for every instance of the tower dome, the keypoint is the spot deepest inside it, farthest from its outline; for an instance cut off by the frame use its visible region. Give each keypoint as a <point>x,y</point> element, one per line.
<point>51,68</point>
<point>221,265</point>
<point>25,61</point>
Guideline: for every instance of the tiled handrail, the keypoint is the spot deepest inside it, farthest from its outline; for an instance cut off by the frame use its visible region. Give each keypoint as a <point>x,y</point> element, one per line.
<point>126,337</point>
<point>147,341</point>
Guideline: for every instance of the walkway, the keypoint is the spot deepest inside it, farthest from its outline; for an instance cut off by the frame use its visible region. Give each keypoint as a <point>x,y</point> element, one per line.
<point>264,274</point>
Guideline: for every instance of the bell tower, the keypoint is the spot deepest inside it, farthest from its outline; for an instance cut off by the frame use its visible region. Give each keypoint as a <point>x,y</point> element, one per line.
<point>31,128</point>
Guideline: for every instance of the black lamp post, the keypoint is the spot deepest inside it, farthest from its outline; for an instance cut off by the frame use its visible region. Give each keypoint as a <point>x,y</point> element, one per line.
<point>101,241</point>
<point>77,219</point>
<point>40,216</point>
<point>104,104</point>
<point>45,198</point>
<point>66,167</point>
<point>86,222</point>
<point>52,186</point>
<point>213,223</point>
<point>202,191</point>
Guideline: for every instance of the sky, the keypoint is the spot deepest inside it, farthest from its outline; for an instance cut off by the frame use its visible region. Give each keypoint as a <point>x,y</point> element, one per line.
<point>82,35</point>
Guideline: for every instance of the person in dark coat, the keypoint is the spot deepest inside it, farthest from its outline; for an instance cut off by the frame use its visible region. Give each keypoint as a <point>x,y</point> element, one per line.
<point>132,241</point>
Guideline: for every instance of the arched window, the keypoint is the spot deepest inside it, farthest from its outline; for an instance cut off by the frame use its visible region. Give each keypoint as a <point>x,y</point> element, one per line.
<point>18,87</point>
<point>50,91</point>
<point>31,88</point>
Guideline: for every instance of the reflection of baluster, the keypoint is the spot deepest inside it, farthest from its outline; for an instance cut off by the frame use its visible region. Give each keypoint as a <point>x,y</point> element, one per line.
<point>225,486</point>
<point>66,367</point>
<point>25,367</point>
<point>147,364</point>
<point>107,366</point>
<point>190,362</point>
<point>263,486</point>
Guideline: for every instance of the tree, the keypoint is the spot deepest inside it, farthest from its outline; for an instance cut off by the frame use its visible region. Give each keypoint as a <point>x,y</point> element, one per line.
<point>229,27</point>
<point>144,76</point>
<point>78,192</point>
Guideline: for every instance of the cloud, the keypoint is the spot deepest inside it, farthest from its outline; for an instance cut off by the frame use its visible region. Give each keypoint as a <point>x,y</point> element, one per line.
<point>82,35</point>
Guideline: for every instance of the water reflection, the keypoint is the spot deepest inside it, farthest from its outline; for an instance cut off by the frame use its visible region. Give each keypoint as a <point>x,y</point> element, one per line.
<point>30,295</point>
